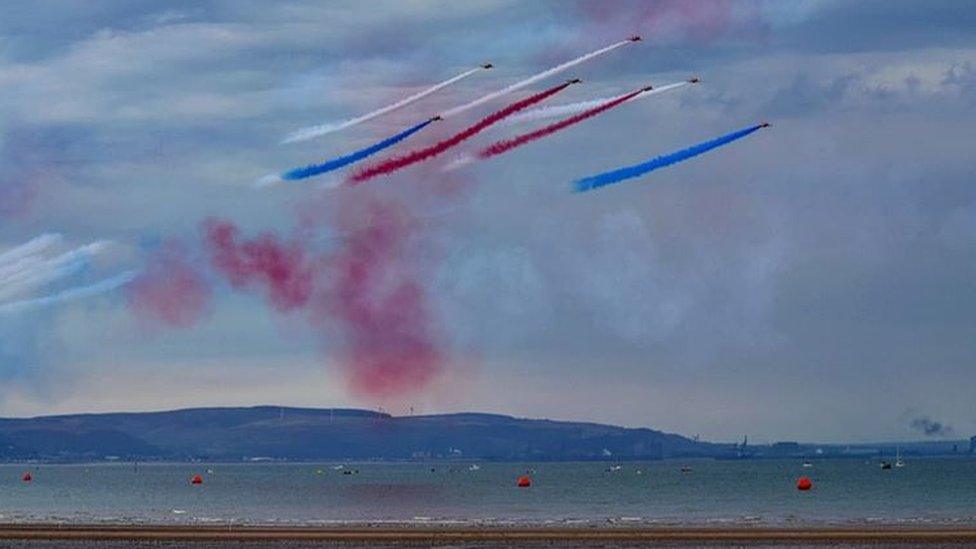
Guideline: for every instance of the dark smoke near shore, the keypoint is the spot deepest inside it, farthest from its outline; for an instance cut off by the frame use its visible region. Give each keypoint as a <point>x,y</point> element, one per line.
<point>930,427</point>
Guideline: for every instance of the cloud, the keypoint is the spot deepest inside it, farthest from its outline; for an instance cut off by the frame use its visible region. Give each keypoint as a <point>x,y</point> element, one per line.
<point>835,253</point>
<point>962,76</point>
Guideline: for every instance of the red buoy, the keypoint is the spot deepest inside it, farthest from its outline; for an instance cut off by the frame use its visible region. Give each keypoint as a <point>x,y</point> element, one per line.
<point>197,479</point>
<point>27,477</point>
<point>524,481</point>
<point>804,483</point>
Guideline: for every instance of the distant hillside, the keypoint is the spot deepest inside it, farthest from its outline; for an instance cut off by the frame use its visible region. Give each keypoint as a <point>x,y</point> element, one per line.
<point>334,434</point>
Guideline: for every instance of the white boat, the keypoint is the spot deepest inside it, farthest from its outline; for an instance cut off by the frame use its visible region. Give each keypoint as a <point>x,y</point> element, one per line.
<point>474,467</point>
<point>898,461</point>
<point>807,464</point>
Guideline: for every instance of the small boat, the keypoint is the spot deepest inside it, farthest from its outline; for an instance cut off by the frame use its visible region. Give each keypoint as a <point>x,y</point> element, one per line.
<point>898,462</point>
<point>474,467</point>
<point>686,469</point>
<point>613,468</point>
<point>807,464</point>
<point>885,465</point>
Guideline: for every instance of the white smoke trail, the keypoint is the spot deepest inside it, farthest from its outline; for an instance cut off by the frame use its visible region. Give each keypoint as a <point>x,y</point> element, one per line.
<point>29,248</point>
<point>71,294</point>
<point>36,264</point>
<point>18,268</point>
<point>576,108</point>
<point>310,132</point>
<point>270,180</point>
<point>459,161</point>
<point>533,79</point>
<point>274,180</point>
<point>34,272</point>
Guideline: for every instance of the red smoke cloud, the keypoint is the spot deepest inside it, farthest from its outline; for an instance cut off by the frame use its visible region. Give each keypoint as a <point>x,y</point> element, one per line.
<point>286,271</point>
<point>370,289</point>
<point>398,162</point>
<point>380,303</point>
<point>170,290</point>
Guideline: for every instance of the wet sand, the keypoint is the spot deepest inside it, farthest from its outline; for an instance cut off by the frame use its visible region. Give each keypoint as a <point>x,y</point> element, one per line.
<point>55,536</point>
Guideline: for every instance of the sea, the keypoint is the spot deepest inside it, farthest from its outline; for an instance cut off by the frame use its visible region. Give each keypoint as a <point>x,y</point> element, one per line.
<point>756,493</point>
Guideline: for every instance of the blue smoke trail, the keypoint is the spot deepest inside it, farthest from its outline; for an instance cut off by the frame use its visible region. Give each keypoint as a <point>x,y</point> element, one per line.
<point>335,164</point>
<point>615,176</point>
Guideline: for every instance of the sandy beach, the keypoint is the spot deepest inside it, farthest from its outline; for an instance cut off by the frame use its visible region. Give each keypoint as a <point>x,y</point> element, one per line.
<point>156,536</point>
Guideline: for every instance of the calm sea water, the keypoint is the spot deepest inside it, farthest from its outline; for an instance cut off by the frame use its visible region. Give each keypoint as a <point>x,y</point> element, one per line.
<point>714,493</point>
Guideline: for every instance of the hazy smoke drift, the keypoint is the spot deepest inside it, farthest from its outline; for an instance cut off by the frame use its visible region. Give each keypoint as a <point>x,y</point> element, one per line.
<point>509,144</point>
<point>398,162</point>
<point>170,290</point>
<point>315,131</point>
<point>615,176</point>
<point>16,197</point>
<point>929,427</point>
<point>533,79</point>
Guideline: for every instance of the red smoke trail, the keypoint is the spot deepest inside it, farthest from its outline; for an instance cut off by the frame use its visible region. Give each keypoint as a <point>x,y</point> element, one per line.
<point>285,269</point>
<point>170,290</point>
<point>381,305</point>
<point>393,164</point>
<point>500,147</point>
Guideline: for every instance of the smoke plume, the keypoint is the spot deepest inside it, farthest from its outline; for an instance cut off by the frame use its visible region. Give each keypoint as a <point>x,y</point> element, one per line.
<point>929,427</point>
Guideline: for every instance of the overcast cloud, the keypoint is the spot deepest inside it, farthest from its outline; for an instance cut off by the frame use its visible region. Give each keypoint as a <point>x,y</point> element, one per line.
<point>810,282</point>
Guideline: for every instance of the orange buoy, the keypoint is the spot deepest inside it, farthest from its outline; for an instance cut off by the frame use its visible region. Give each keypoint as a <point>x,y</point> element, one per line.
<point>524,481</point>
<point>804,483</point>
<point>27,477</point>
<point>197,479</point>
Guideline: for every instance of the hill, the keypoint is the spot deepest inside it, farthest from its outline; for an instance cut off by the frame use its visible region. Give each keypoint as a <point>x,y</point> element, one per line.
<point>271,432</point>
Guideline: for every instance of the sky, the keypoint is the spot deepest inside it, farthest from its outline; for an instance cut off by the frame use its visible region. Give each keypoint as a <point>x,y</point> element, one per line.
<point>813,281</point>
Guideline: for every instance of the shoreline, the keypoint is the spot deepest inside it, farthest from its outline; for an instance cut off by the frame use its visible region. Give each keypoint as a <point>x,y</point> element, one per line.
<point>426,534</point>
